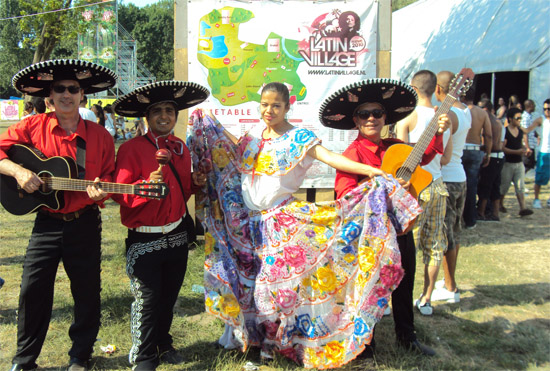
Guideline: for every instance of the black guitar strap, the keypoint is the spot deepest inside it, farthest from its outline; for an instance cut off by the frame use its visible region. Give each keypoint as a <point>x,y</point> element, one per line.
<point>81,155</point>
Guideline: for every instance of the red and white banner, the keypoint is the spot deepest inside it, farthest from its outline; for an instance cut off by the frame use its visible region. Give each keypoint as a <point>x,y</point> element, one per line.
<point>235,48</point>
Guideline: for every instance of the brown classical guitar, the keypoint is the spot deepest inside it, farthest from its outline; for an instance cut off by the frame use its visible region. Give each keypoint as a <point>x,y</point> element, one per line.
<point>58,174</point>
<point>402,160</point>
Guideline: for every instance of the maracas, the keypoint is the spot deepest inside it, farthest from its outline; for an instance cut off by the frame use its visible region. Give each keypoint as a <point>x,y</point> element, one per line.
<point>163,157</point>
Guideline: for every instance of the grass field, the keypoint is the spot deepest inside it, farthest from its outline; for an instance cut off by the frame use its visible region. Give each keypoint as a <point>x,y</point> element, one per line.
<point>501,323</point>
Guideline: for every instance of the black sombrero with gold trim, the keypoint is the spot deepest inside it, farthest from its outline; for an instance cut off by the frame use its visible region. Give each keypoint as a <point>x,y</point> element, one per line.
<point>183,94</point>
<point>397,98</point>
<point>37,78</point>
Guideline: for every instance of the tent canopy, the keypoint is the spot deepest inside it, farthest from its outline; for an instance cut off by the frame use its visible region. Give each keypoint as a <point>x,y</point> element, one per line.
<point>485,35</point>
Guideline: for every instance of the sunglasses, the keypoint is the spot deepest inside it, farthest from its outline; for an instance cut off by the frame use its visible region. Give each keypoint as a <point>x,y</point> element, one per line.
<point>61,89</point>
<point>517,118</point>
<point>546,108</point>
<point>365,114</point>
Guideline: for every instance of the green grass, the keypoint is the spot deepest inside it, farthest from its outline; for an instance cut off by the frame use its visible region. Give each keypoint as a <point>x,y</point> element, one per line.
<point>501,323</point>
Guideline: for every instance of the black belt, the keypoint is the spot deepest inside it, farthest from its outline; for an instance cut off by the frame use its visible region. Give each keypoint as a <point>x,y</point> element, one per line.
<point>69,216</point>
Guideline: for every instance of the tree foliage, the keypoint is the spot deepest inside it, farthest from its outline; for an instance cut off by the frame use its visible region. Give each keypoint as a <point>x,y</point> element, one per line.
<point>398,4</point>
<point>153,29</point>
<point>43,31</point>
<point>13,56</point>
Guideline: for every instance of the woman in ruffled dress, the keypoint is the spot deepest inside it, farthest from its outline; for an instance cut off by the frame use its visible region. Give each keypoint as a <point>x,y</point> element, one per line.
<point>306,280</point>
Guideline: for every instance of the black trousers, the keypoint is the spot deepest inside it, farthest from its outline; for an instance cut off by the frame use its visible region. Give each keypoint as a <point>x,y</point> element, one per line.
<point>402,296</point>
<point>156,264</point>
<point>78,244</point>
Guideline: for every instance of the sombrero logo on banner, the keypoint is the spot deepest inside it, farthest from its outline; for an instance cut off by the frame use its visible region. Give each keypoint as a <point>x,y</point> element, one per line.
<point>336,40</point>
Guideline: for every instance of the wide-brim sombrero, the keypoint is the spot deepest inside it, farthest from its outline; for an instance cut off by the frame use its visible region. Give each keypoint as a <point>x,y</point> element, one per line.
<point>183,94</point>
<point>37,78</point>
<point>397,98</point>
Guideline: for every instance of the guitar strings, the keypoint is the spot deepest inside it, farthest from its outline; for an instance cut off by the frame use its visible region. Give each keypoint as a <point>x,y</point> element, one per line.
<point>414,158</point>
<point>69,184</point>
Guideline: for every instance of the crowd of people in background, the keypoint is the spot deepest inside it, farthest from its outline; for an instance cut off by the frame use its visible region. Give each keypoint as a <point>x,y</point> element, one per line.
<point>96,112</point>
<point>347,258</point>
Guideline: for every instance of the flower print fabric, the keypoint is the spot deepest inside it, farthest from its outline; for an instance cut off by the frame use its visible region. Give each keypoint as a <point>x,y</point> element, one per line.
<point>273,169</point>
<point>308,280</point>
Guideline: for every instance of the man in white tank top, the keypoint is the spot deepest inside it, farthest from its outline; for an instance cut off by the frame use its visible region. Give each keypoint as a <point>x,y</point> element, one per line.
<point>454,178</point>
<point>542,171</point>
<point>429,232</point>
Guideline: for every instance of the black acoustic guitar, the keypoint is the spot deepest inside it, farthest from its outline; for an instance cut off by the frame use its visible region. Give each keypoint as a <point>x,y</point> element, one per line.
<point>58,174</point>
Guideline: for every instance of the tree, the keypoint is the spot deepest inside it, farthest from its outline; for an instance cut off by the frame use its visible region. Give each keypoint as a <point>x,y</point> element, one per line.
<point>44,29</point>
<point>13,56</point>
<point>398,4</point>
<point>153,29</point>
<point>157,31</point>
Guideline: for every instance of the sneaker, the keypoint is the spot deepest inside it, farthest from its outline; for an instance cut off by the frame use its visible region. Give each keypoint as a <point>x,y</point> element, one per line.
<point>470,226</point>
<point>537,204</point>
<point>492,218</point>
<point>439,284</point>
<point>425,310</point>
<point>502,209</point>
<point>442,294</point>
<point>387,311</point>
<point>480,217</point>
<point>2,282</point>
<point>525,212</point>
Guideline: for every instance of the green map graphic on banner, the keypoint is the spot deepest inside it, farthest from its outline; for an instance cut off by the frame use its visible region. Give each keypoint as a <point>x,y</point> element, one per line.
<point>97,43</point>
<point>237,70</point>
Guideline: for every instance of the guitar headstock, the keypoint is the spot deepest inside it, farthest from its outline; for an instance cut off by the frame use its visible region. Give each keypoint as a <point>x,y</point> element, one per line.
<point>151,190</point>
<point>461,82</point>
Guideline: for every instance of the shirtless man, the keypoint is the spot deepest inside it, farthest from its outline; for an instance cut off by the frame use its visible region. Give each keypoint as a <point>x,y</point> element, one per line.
<point>527,117</point>
<point>473,157</point>
<point>489,176</point>
<point>429,231</point>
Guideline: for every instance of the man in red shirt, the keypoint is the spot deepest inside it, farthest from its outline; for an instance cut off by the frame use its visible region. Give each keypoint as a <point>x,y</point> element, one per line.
<point>156,247</point>
<point>73,232</point>
<point>367,106</point>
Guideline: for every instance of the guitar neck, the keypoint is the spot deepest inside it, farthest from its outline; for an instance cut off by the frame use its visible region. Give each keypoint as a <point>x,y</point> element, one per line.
<point>415,157</point>
<point>69,184</point>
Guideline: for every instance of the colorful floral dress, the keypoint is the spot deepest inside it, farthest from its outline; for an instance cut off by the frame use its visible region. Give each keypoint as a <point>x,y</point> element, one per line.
<point>308,280</point>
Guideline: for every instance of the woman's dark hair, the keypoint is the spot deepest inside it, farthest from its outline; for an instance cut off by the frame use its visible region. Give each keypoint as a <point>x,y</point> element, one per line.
<point>344,16</point>
<point>100,115</point>
<point>280,89</point>
<point>512,112</point>
<point>29,107</point>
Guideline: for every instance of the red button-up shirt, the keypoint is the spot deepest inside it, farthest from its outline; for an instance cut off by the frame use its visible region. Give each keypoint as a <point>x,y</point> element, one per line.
<point>366,152</point>
<point>135,162</point>
<point>45,134</point>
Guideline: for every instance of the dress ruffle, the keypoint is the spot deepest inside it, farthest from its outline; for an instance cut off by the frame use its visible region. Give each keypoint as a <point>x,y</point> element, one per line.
<point>308,280</point>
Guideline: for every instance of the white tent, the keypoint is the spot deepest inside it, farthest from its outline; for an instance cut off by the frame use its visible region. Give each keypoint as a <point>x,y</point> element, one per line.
<point>487,36</point>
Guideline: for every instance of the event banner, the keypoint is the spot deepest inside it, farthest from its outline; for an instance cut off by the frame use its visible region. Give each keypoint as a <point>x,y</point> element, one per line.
<point>9,109</point>
<point>97,41</point>
<point>315,48</point>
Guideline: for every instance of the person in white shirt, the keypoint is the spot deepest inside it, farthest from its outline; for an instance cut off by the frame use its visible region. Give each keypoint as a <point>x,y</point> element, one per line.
<point>86,113</point>
<point>454,177</point>
<point>542,171</point>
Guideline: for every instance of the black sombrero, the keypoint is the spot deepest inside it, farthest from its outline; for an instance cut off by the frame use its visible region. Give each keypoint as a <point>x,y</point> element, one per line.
<point>183,94</point>
<point>397,98</point>
<point>37,78</point>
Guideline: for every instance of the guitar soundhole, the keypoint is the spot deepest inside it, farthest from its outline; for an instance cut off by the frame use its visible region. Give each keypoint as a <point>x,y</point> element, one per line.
<point>46,187</point>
